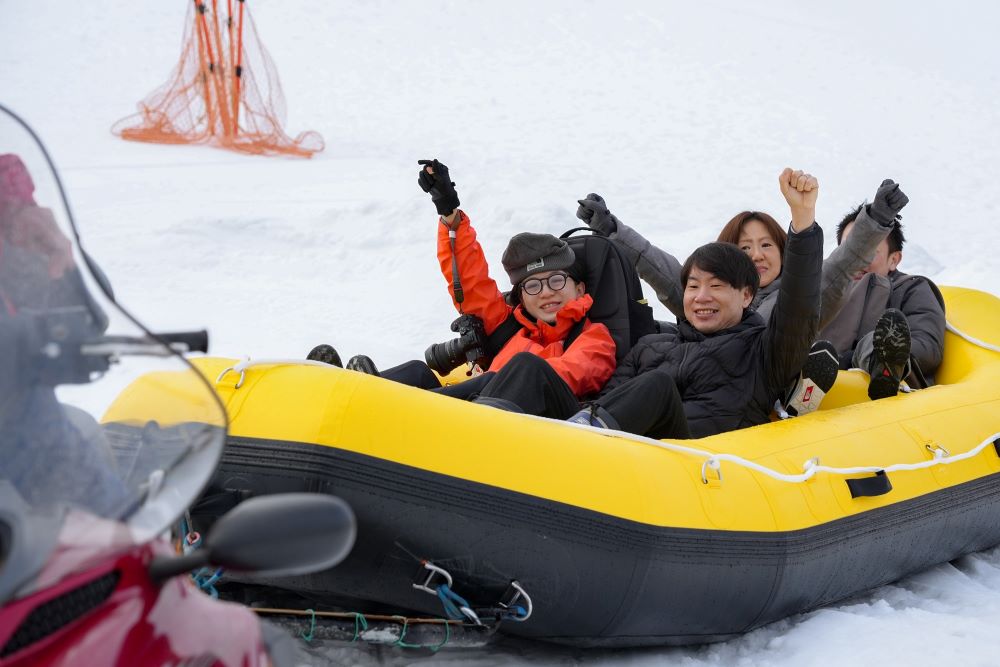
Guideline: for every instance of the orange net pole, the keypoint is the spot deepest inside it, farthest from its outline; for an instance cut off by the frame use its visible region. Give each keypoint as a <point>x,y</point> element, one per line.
<point>238,71</point>
<point>207,63</point>
<point>219,77</point>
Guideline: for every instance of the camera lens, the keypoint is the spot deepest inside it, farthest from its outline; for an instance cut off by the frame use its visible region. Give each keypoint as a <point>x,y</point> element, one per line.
<point>444,357</point>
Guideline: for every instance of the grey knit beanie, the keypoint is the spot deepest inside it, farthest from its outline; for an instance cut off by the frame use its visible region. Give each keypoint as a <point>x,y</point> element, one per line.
<point>529,253</point>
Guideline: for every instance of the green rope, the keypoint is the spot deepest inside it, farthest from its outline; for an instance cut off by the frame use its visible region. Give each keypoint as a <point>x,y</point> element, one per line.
<point>435,647</point>
<point>308,636</point>
<point>447,636</point>
<point>359,620</point>
<point>402,635</point>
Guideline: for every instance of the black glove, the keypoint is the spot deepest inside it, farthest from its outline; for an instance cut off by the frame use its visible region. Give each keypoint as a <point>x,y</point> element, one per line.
<point>594,211</point>
<point>889,201</point>
<point>439,185</point>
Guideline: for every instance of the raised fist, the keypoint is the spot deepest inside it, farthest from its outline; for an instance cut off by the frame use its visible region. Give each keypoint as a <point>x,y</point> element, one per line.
<point>889,201</point>
<point>594,211</point>
<point>435,180</point>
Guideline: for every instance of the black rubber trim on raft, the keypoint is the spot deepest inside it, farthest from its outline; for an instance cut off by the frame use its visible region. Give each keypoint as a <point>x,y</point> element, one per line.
<point>876,485</point>
<point>596,579</point>
<point>294,460</point>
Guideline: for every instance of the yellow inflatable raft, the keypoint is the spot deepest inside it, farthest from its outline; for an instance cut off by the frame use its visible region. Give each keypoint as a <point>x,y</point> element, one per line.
<point>616,540</point>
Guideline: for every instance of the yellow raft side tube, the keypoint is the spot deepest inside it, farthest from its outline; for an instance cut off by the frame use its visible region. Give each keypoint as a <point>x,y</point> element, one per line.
<point>630,478</point>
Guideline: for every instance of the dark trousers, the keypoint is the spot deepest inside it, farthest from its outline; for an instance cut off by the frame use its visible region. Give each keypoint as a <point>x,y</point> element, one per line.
<point>418,374</point>
<point>648,404</point>
<point>527,382</point>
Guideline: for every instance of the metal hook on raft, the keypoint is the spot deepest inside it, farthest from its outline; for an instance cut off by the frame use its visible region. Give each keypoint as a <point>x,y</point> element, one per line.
<point>243,375</point>
<point>432,570</point>
<point>715,465</point>
<point>937,450</point>
<point>509,601</point>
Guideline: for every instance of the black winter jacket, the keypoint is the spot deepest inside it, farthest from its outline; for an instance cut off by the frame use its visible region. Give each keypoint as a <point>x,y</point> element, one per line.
<point>730,379</point>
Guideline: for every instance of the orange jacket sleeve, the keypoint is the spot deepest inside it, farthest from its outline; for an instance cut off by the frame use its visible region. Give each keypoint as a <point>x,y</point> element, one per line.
<point>589,362</point>
<point>482,296</point>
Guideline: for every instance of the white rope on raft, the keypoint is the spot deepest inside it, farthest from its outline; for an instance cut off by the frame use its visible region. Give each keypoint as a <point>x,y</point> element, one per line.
<point>242,366</point>
<point>809,468</point>
<point>713,461</point>
<point>975,341</point>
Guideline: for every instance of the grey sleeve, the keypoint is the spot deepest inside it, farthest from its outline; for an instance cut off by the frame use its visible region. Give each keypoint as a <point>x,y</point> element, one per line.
<point>658,268</point>
<point>855,253</point>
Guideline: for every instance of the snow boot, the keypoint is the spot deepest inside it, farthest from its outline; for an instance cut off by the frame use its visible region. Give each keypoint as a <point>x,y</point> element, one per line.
<point>326,354</point>
<point>362,364</point>
<point>815,380</point>
<point>890,354</point>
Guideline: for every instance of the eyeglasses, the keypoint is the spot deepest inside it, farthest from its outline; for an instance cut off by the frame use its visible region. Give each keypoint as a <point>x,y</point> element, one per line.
<point>555,282</point>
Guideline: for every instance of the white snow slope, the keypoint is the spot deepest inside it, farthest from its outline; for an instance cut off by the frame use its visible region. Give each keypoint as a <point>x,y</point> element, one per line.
<point>680,114</point>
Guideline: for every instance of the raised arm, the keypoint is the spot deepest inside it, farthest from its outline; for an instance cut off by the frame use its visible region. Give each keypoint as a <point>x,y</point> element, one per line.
<point>794,321</point>
<point>657,267</point>
<point>459,248</point>
<point>873,224</point>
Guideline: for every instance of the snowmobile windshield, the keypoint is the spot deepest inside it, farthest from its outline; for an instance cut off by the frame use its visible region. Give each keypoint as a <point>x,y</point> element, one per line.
<point>71,436</point>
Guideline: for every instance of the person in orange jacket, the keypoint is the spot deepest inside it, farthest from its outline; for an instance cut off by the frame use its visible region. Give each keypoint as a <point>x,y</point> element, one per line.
<point>535,371</point>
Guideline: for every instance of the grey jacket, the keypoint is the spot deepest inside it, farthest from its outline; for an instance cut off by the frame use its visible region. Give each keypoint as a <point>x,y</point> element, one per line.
<point>662,271</point>
<point>915,296</point>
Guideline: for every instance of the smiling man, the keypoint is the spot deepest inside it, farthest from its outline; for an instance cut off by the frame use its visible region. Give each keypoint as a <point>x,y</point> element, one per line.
<point>721,367</point>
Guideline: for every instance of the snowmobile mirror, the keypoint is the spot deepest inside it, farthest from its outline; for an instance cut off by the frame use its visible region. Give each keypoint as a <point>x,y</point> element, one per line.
<point>278,535</point>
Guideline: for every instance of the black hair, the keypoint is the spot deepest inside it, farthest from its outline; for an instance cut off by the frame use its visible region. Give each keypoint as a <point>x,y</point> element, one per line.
<point>896,239</point>
<point>726,262</point>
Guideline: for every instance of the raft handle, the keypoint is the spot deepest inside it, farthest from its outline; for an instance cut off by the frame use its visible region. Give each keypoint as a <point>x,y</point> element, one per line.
<point>996,446</point>
<point>877,485</point>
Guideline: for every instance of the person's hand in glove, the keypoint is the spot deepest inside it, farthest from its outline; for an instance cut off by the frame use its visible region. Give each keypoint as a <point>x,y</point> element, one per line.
<point>594,211</point>
<point>889,201</point>
<point>435,180</point>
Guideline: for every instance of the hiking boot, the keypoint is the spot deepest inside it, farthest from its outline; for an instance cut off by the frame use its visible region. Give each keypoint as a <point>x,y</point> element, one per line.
<point>815,380</point>
<point>362,364</point>
<point>326,354</point>
<point>890,354</point>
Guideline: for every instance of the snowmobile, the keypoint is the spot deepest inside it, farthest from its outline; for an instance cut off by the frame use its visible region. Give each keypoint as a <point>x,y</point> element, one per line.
<point>88,574</point>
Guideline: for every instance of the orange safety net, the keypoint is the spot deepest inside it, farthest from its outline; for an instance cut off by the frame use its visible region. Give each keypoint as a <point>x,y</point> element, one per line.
<point>214,95</point>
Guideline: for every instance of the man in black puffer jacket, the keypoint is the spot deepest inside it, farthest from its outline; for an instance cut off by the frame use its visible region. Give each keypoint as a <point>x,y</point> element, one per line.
<point>722,366</point>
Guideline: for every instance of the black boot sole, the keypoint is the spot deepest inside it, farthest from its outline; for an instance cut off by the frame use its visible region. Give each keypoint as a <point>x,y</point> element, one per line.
<point>891,351</point>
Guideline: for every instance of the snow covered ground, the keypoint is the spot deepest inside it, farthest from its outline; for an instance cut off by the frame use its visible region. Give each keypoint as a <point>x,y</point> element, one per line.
<point>679,114</point>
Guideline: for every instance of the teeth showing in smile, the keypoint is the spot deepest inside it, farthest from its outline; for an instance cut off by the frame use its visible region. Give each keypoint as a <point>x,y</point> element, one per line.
<point>705,311</point>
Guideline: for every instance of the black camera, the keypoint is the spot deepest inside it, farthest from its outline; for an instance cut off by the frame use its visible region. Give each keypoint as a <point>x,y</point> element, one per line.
<point>470,346</point>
